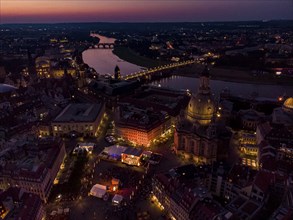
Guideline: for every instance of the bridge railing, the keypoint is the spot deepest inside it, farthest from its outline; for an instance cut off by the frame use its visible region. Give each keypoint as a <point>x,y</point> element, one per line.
<point>156,69</point>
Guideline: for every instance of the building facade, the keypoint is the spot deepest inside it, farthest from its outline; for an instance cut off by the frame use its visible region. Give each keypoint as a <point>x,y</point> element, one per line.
<point>141,126</point>
<point>34,174</point>
<point>78,120</point>
<point>182,196</point>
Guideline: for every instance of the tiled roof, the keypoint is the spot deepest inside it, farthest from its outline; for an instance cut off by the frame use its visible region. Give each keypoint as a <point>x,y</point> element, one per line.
<point>28,205</point>
<point>241,175</point>
<point>264,180</point>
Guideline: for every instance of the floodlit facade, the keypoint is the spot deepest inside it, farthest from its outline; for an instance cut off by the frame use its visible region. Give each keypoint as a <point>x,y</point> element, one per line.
<point>131,156</point>
<point>141,126</point>
<point>43,67</point>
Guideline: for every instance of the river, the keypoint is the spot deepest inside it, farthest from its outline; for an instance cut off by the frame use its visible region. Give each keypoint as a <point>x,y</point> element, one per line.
<point>217,86</point>
<point>104,62</point>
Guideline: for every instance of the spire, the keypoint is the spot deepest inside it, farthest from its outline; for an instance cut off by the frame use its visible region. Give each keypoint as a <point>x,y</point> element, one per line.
<point>205,72</point>
<point>205,80</point>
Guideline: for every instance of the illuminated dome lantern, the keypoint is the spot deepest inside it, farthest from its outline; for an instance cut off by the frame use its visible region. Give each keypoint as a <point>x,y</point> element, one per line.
<point>288,105</point>
<point>201,106</point>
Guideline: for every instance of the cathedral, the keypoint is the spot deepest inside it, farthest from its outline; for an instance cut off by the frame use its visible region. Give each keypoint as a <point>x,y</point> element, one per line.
<point>197,135</point>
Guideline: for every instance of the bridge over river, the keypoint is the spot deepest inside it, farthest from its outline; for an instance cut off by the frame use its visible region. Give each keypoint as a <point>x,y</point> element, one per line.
<point>105,43</point>
<point>150,71</point>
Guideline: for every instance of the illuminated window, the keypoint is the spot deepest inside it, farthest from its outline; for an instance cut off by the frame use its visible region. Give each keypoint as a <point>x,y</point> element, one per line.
<point>55,128</point>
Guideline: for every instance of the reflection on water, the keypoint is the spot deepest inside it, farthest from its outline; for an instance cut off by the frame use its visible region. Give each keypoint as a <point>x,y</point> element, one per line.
<point>105,40</point>
<point>104,62</point>
<point>238,89</point>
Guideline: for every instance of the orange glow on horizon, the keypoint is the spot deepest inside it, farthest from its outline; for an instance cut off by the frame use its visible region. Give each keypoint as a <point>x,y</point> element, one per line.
<point>47,11</point>
<point>32,8</point>
<point>140,10</point>
<point>68,11</point>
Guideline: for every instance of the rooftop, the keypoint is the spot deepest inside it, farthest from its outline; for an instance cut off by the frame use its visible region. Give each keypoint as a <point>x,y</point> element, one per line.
<point>160,99</point>
<point>187,171</point>
<point>289,103</point>
<point>30,160</point>
<point>19,204</point>
<point>243,208</point>
<point>241,175</point>
<point>145,119</point>
<point>133,151</point>
<point>4,88</point>
<point>81,112</point>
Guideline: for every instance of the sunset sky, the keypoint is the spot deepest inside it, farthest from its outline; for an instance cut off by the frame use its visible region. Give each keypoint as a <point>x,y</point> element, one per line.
<point>51,11</point>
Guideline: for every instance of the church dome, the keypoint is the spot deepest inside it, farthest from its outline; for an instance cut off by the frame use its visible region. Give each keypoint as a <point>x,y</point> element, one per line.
<point>4,88</point>
<point>288,105</point>
<point>201,108</point>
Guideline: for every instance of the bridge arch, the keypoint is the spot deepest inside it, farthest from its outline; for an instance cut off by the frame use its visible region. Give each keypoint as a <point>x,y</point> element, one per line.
<point>105,46</point>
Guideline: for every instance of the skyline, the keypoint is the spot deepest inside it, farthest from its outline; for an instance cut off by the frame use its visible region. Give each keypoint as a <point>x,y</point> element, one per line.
<point>146,109</point>
<point>48,11</point>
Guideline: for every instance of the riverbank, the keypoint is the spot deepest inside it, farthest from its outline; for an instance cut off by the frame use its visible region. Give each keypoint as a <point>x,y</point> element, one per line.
<point>234,75</point>
<point>131,56</point>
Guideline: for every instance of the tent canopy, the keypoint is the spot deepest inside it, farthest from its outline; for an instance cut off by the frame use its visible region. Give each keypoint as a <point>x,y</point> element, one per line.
<point>115,150</point>
<point>98,190</point>
<point>117,199</point>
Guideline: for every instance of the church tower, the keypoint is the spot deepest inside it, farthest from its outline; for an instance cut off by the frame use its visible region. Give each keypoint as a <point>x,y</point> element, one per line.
<point>201,106</point>
<point>117,74</point>
<point>204,79</point>
<point>197,133</point>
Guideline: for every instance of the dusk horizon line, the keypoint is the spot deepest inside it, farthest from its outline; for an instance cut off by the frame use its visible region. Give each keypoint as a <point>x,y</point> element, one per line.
<point>148,22</point>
